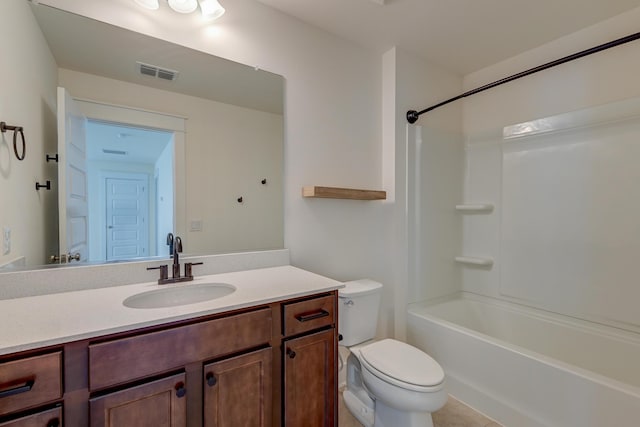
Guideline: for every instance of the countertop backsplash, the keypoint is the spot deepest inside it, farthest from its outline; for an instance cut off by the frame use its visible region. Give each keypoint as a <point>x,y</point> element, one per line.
<point>26,283</point>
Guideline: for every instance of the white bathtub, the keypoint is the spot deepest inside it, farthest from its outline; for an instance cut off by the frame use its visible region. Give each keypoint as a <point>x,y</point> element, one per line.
<point>525,367</point>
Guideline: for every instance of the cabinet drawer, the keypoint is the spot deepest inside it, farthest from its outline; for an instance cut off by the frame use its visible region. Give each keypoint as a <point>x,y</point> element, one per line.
<point>50,418</point>
<point>127,359</point>
<point>29,382</point>
<point>307,315</point>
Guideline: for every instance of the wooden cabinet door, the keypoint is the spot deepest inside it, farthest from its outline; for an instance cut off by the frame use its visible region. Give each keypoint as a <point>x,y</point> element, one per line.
<point>159,403</point>
<point>237,391</point>
<point>49,418</point>
<point>310,380</point>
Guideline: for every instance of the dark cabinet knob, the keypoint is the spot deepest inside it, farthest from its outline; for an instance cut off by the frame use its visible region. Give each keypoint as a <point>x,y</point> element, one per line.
<point>291,353</point>
<point>211,379</point>
<point>53,423</point>
<point>180,390</point>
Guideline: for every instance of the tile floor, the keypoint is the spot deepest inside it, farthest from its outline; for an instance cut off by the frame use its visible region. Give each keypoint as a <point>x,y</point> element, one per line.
<point>454,414</point>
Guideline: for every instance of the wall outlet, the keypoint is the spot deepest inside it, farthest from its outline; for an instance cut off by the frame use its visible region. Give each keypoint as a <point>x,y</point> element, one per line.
<point>6,240</point>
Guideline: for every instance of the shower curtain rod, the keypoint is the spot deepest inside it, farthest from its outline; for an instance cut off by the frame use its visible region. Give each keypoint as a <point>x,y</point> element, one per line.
<point>413,115</point>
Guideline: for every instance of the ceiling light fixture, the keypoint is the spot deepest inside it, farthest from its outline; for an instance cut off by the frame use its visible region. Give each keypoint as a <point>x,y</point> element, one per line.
<point>149,4</point>
<point>183,6</point>
<point>210,9</point>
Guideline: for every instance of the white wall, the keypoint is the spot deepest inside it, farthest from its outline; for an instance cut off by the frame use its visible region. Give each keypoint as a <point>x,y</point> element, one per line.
<point>217,172</point>
<point>332,124</point>
<point>428,181</point>
<point>603,78</point>
<point>344,108</point>
<point>339,122</point>
<point>27,99</point>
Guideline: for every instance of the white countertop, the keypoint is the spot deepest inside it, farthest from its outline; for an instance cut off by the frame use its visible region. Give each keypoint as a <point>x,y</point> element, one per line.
<point>37,321</point>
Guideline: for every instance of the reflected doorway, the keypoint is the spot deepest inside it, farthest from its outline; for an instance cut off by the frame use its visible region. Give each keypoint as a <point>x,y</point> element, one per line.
<point>130,172</point>
<point>127,204</point>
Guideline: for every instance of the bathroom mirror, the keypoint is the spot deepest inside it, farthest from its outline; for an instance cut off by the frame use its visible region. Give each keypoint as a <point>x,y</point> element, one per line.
<point>225,191</point>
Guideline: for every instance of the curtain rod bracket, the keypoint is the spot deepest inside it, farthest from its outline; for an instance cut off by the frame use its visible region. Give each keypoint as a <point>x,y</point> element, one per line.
<point>412,116</point>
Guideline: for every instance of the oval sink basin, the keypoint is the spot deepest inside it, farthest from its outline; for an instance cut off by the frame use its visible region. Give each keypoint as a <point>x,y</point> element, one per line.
<point>179,295</point>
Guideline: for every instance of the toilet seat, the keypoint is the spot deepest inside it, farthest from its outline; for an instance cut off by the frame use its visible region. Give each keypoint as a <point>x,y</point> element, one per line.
<point>402,365</point>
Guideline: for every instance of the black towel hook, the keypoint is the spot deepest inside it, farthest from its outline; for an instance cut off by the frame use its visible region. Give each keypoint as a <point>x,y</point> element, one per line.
<point>46,186</point>
<point>5,127</point>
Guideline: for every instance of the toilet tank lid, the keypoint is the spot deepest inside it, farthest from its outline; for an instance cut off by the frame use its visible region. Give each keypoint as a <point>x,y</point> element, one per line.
<point>359,288</point>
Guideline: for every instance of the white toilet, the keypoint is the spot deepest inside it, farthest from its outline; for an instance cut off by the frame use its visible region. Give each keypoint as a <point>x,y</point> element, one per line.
<point>389,383</point>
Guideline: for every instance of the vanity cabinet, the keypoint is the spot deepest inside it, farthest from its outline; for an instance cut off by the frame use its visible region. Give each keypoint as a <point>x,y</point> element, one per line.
<point>118,361</point>
<point>46,418</point>
<point>309,380</point>
<point>176,400</point>
<point>28,383</point>
<point>310,397</point>
<point>156,403</point>
<point>266,366</point>
<point>238,391</point>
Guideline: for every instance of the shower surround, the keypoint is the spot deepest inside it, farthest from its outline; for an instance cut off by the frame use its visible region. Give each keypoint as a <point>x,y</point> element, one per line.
<point>544,294</point>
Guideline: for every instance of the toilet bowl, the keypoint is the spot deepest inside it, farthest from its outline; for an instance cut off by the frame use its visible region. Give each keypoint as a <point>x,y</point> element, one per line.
<point>389,383</point>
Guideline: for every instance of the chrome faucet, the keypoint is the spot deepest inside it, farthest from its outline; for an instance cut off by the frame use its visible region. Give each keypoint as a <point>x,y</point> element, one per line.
<point>177,248</point>
<point>175,275</point>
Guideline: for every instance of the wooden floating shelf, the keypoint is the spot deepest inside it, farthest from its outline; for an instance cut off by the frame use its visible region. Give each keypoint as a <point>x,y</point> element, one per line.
<point>342,193</point>
<point>470,260</point>
<point>475,208</point>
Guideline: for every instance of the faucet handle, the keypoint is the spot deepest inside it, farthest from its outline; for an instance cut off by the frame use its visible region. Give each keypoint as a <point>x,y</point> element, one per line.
<point>188,272</point>
<point>164,271</point>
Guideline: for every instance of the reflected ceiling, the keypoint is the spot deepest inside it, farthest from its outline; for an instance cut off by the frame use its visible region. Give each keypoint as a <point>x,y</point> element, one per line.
<point>88,47</point>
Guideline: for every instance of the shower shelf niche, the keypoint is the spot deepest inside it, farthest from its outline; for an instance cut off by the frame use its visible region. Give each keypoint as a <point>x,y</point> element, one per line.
<point>474,261</point>
<point>475,208</point>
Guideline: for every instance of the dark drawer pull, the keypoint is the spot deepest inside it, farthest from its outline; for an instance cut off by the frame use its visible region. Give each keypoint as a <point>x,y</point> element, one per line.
<point>312,316</point>
<point>54,423</point>
<point>23,387</point>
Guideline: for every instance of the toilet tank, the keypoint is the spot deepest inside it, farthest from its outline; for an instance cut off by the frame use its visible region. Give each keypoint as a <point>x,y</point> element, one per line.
<point>358,306</point>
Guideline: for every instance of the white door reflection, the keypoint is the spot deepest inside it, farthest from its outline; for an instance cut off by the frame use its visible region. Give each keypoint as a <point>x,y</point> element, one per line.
<point>130,172</point>
<point>127,204</point>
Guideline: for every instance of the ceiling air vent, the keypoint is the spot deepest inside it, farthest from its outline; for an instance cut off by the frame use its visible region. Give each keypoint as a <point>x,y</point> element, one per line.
<point>118,152</point>
<point>155,71</point>
<point>167,74</point>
